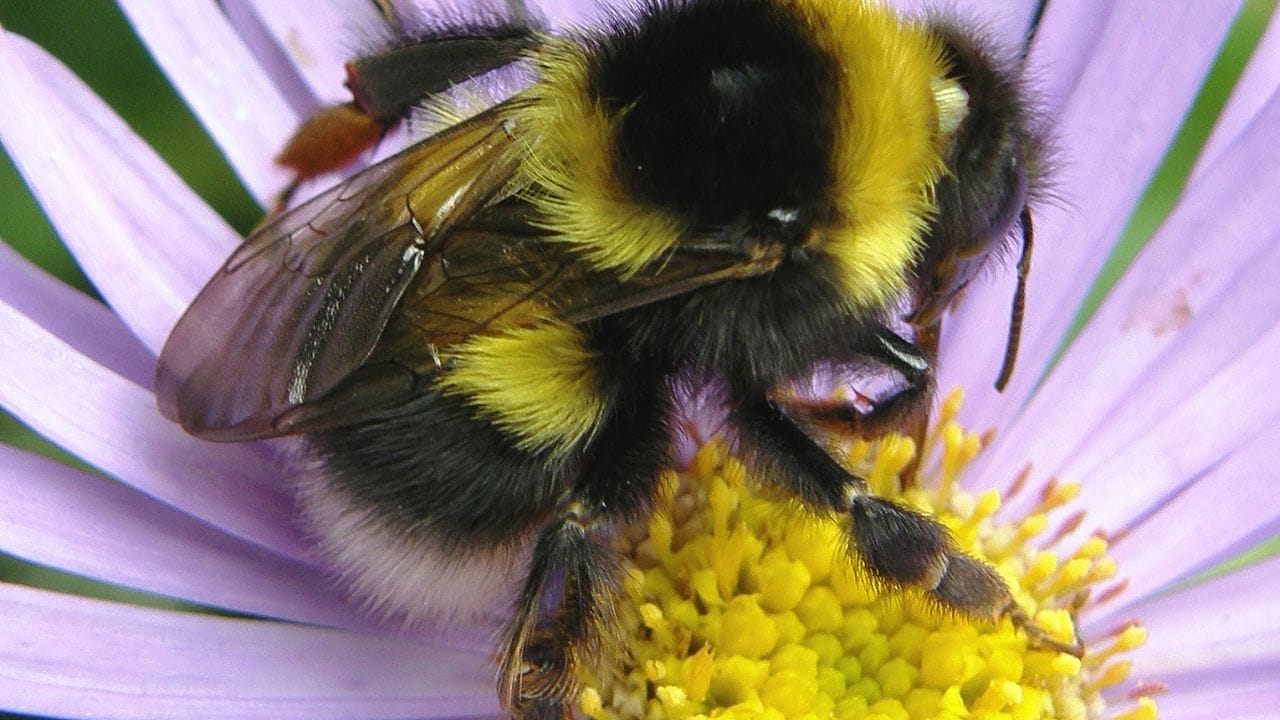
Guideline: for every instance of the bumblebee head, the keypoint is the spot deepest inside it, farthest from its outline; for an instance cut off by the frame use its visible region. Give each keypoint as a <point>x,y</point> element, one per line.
<point>993,165</point>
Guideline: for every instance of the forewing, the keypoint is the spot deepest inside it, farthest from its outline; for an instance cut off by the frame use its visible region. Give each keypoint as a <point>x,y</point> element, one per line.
<point>503,272</point>
<point>298,308</point>
<point>495,272</point>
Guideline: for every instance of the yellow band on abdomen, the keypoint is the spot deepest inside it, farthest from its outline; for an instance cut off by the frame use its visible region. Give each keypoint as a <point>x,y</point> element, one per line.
<point>537,383</point>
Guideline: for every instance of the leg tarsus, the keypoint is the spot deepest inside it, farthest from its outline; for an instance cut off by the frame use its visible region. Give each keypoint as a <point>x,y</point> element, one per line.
<point>1039,638</point>
<point>907,407</point>
<point>972,587</point>
<point>905,548</point>
<point>898,546</point>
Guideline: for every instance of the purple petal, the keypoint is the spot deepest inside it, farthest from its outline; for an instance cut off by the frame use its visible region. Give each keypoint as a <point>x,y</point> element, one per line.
<point>1250,693</point>
<point>1225,511</point>
<point>1163,458</point>
<point>305,46</point>
<point>1184,310</point>
<point>1066,44</point>
<point>64,518</point>
<point>113,424</point>
<point>1113,129</point>
<point>1225,623</point>
<point>570,14</point>
<point>71,657</point>
<point>219,78</point>
<point>1256,87</point>
<point>142,236</point>
<point>73,317</point>
<point>1223,352</point>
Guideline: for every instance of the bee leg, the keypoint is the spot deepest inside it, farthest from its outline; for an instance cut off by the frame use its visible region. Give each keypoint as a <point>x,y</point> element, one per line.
<point>903,408</point>
<point>573,570</point>
<point>536,677</point>
<point>897,545</point>
<point>916,427</point>
<point>905,411</point>
<point>386,86</point>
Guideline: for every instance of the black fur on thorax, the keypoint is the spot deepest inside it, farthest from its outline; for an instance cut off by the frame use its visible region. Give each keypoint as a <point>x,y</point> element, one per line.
<point>726,110</point>
<point>752,333</point>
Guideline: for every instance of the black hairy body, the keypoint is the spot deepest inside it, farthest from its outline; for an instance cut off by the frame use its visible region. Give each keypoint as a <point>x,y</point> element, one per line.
<point>484,340</point>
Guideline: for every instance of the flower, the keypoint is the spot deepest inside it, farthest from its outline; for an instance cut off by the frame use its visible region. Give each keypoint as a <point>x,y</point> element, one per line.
<point>1162,409</point>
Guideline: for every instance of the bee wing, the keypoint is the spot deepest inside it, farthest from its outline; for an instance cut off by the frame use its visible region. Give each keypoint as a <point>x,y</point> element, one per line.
<point>340,310</point>
<point>495,272</point>
<point>502,271</point>
<point>297,309</point>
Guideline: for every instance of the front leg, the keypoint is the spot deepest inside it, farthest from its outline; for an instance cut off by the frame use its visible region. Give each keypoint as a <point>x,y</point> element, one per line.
<point>897,545</point>
<point>906,408</point>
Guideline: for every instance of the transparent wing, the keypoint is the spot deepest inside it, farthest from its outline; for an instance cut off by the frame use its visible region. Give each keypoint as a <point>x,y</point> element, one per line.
<point>298,308</point>
<point>500,271</point>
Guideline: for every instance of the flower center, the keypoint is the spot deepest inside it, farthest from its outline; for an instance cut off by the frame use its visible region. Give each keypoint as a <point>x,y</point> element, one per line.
<point>747,608</point>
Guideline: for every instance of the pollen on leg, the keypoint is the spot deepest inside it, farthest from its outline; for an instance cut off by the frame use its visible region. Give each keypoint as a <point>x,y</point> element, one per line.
<point>743,606</point>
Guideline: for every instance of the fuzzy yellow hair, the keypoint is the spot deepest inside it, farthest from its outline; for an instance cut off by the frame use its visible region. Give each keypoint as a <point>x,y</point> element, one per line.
<point>888,148</point>
<point>570,156</point>
<point>536,382</point>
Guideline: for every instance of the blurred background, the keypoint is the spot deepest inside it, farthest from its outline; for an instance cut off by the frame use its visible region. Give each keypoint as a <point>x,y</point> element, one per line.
<point>94,40</point>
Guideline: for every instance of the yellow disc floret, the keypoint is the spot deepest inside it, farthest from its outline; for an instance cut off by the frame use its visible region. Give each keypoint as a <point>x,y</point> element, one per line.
<point>747,608</point>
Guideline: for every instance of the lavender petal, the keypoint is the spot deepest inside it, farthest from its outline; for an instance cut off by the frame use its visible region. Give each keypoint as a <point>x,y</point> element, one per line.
<point>1227,510</point>
<point>1223,623</point>
<point>73,317</point>
<point>1205,429</point>
<point>1185,308</point>
<point>1115,128</point>
<point>219,78</point>
<point>304,47</point>
<point>71,657</point>
<point>143,237</point>
<point>64,518</point>
<point>113,424</point>
<point>1238,693</point>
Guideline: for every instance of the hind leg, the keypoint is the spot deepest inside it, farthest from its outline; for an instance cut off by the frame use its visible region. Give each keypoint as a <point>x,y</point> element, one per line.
<point>573,571</point>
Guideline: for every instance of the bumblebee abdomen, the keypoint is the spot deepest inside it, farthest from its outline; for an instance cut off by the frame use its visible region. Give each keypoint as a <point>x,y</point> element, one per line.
<point>538,384</point>
<point>426,510</point>
<point>433,466</point>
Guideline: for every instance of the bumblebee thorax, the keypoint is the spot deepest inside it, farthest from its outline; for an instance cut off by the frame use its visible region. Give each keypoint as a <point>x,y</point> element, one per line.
<point>724,113</point>
<point>715,117</point>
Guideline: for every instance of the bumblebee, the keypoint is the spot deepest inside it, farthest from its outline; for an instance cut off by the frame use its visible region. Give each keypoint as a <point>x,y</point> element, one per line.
<point>479,341</point>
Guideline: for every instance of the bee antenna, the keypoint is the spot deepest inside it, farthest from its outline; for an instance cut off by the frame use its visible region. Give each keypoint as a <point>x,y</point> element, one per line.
<point>1019,303</point>
<point>1033,27</point>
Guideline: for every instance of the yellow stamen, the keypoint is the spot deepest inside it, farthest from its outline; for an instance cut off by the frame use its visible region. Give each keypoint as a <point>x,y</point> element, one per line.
<point>745,607</point>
